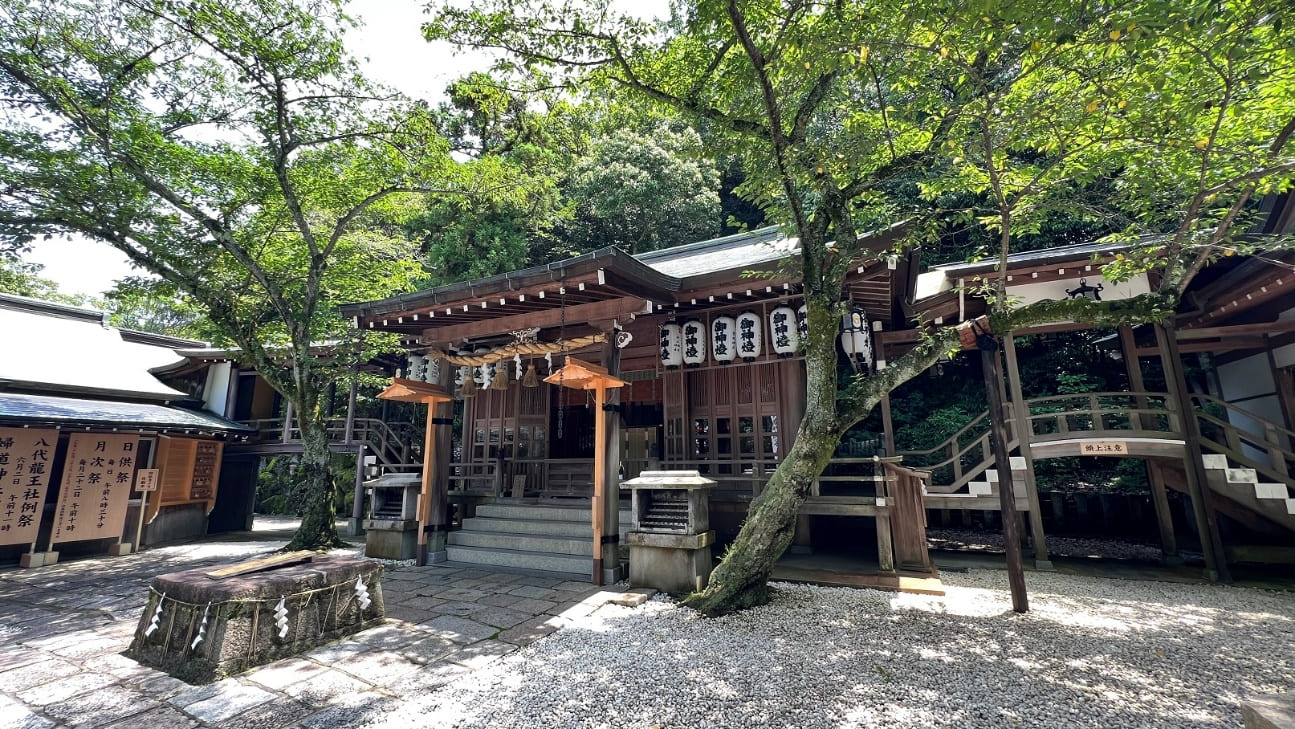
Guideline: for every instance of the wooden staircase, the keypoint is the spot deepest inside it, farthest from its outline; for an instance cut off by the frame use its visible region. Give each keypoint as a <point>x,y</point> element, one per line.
<point>1247,465</point>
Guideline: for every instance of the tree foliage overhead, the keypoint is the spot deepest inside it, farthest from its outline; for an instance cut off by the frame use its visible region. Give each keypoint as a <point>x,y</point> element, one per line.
<point>233,150</point>
<point>849,117</point>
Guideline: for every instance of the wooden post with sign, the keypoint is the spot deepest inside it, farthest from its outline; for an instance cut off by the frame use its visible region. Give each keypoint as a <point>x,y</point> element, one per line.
<point>581,375</point>
<point>402,390</point>
<point>146,482</point>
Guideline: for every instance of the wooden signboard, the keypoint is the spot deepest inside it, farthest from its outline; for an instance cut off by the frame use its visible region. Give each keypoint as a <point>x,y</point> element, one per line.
<point>189,472</point>
<point>1105,448</point>
<point>97,477</point>
<point>26,457</point>
<point>147,479</point>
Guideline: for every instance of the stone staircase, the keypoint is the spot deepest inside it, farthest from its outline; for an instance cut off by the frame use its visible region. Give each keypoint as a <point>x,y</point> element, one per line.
<point>532,536</point>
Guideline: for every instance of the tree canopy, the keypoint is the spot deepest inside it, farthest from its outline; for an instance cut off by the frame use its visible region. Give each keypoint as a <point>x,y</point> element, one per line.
<point>849,118</point>
<point>234,151</point>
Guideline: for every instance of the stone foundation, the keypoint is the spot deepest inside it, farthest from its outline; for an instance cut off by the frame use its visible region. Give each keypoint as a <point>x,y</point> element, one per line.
<point>240,623</point>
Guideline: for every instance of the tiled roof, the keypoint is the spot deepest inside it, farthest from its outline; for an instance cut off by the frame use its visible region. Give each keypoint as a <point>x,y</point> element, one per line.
<point>763,245</point>
<point>21,408</point>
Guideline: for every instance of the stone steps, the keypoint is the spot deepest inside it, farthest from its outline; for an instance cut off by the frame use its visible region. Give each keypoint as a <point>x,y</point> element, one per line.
<point>547,537</point>
<point>522,542</point>
<point>564,563</point>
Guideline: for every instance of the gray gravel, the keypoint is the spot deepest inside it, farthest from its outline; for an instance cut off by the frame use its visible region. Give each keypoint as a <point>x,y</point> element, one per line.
<point>1091,653</point>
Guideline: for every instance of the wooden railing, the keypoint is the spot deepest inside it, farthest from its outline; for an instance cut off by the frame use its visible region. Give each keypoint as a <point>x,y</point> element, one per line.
<point>1264,446</point>
<point>392,442</point>
<point>966,454</point>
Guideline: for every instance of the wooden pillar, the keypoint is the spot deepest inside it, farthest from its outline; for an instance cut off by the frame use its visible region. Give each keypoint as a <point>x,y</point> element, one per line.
<point>441,415</point>
<point>1159,494</point>
<point>357,505</point>
<point>1207,527</point>
<point>608,546</point>
<point>349,433</point>
<point>1021,414</point>
<point>600,479</point>
<point>993,375</point>
<point>287,423</point>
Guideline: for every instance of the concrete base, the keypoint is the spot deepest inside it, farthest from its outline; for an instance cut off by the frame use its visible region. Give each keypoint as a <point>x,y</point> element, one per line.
<point>354,527</point>
<point>612,575</point>
<point>1043,564</point>
<point>670,563</point>
<point>38,559</point>
<point>119,549</point>
<point>177,523</point>
<point>391,538</point>
<point>1274,711</point>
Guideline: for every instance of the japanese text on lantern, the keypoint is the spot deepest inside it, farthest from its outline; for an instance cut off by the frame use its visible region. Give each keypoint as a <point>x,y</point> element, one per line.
<point>26,459</point>
<point>97,477</point>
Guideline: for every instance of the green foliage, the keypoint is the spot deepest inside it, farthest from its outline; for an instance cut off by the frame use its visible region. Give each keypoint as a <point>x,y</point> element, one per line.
<point>22,278</point>
<point>281,490</point>
<point>643,190</point>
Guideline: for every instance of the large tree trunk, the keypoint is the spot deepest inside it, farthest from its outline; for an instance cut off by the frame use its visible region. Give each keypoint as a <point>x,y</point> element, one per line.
<point>741,579</point>
<point>318,528</point>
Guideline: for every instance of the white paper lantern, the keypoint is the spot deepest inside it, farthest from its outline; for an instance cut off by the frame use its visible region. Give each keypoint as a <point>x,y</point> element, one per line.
<point>749,330</point>
<point>694,343</point>
<point>671,345</point>
<point>784,332</point>
<point>417,367</point>
<point>802,322</point>
<point>432,372</point>
<point>723,339</point>
<point>856,337</point>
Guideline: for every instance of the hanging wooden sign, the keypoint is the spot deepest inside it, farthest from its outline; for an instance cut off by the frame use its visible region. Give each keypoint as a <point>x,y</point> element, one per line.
<point>26,457</point>
<point>97,477</point>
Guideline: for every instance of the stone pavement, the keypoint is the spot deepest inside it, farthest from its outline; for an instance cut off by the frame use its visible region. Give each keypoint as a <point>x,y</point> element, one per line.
<point>63,629</point>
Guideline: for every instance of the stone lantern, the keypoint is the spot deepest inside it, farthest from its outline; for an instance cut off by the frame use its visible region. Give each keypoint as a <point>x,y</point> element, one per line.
<point>670,537</point>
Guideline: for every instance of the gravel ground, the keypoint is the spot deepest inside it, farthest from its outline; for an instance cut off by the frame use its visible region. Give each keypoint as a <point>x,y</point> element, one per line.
<point>1090,653</point>
<point>970,540</point>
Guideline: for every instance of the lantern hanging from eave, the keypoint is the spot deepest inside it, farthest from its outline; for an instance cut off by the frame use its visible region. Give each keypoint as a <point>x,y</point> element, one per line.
<point>417,367</point>
<point>802,322</point>
<point>749,329</point>
<point>784,331</point>
<point>723,339</point>
<point>671,345</point>
<point>856,338</point>
<point>694,343</point>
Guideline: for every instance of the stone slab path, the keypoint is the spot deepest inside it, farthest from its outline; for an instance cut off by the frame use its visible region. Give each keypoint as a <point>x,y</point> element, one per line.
<point>63,629</point>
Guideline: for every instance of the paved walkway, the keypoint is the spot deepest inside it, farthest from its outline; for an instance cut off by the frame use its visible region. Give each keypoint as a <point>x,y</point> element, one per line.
<point>63,629</point>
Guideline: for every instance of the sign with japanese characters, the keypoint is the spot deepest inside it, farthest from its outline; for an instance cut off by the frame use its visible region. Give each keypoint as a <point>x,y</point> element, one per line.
<point>1105,448</point>
<point>147,479</point>
<point>97,476</point>
<point>26,458</point>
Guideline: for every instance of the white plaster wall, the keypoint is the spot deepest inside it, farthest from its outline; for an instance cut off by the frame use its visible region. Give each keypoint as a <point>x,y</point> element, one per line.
<point>1021,288</point>
<point>1251,378</point>
<point>216,390</point>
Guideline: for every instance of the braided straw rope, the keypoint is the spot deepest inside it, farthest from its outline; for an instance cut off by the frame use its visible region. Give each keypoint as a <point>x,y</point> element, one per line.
<point>507,352</point>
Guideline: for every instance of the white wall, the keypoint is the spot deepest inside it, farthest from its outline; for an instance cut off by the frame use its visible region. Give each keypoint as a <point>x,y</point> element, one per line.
<point>1250,381</point>
<point>216,390</point>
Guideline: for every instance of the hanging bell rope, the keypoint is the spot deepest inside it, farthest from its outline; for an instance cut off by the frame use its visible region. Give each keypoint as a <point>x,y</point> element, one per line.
<point>508,351</point>
<point>501,378</point>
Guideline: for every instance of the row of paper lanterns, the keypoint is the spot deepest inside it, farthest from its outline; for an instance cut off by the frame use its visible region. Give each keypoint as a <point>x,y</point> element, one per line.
<point>731,338</point>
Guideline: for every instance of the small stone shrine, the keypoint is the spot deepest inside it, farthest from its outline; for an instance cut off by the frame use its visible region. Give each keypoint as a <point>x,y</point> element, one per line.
<point>204,624</point>
<point>670,537</point>
<point>391,531</point>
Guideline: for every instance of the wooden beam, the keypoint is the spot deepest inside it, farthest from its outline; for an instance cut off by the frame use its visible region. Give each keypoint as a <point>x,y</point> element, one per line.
<point>1237,330</point>
<point>1208,346</point>
<point>578,314</point>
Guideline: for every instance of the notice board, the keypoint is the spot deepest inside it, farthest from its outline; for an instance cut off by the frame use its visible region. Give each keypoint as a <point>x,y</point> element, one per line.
<point>98,474</point>
<point>26,458</point>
